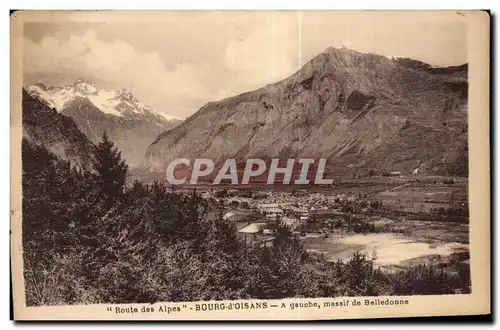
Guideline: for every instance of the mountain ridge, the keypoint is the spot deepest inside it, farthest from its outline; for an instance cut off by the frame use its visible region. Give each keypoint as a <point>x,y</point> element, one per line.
<point>320,111</point>
<point>129,123</point>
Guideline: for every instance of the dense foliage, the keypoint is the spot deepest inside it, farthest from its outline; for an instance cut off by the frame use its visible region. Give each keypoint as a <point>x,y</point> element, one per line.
<point>89,237</point>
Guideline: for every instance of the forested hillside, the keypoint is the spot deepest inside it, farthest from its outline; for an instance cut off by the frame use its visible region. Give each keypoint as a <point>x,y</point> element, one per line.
<point>89,237</point>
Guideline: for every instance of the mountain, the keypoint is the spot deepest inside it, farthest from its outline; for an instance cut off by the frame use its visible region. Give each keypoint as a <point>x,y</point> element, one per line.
<point>362,112</point>
<point>131,125</point>
<point>42,125</point>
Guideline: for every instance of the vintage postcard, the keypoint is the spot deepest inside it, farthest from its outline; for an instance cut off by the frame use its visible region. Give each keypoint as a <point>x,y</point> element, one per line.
<point>249,165</point>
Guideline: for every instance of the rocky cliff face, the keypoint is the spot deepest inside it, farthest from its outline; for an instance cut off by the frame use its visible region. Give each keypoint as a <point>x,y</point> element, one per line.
<point>42,125</point>
<point>360,111</point>
<point>130,124</point>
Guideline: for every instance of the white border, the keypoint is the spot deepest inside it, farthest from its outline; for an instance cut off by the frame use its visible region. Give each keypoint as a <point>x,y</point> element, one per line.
<point>185,4</point>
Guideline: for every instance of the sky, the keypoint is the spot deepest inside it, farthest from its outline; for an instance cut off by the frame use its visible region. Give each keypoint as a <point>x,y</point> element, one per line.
<point>178,61</point>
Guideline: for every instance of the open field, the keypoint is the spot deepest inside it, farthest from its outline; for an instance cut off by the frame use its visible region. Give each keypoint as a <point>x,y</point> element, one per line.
<point>384,249</point>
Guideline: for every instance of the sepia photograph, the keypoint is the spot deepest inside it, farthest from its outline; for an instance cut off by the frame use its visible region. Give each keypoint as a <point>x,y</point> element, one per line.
<point>214,162</point>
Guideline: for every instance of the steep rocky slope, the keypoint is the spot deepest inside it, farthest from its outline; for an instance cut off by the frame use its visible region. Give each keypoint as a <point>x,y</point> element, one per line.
<point>44,126</point>
<point>360,111</point>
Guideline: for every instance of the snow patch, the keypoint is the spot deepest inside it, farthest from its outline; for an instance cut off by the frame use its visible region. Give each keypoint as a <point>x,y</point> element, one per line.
<point>167,117</point>
<point>104,104</point>
<point>54,101</point>
<point>108,101</point>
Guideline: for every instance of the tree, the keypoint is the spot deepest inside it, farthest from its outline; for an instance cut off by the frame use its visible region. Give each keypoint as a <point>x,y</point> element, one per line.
<point>280,264</point>
<point>110,168</point>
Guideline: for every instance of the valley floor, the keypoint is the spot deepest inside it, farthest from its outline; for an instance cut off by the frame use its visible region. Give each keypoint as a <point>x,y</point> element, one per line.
<point>396,222</point>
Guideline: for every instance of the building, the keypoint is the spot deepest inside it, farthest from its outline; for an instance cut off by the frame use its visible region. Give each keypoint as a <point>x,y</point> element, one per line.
<point>228,215</point>
<point>273,213</point>
<point>250,231</point>
<point>267,231</point>
<point>395,173</point>
<point>253,228</point>
<point>270,210</point>
<point>264,206</point>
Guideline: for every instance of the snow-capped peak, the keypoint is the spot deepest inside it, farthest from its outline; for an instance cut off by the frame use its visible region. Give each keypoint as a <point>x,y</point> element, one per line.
<point>119,103</point>
<point>85,87</point>
<point>125,94</point>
